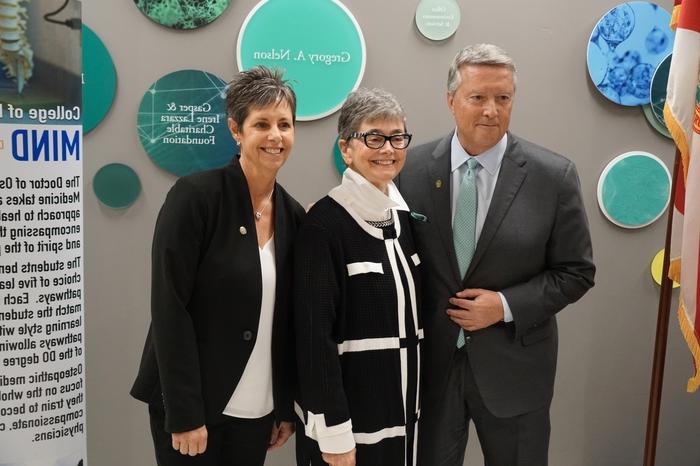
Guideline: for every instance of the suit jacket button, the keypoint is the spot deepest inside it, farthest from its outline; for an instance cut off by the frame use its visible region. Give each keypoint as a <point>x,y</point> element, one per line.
<point>247,335</point>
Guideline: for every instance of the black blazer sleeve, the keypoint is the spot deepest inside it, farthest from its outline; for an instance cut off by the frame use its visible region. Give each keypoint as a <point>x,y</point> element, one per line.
<point>177,243</point>
<point>318,288</point>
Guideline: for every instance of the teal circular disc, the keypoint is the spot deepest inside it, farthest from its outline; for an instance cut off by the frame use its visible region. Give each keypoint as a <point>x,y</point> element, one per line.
<point>182,14</point>
<point>318,44</point>
<point>182,123</point>
<point>659,81</point>
<point>99,80</point>
<point>634,189</point>
<point>654,122</point>
<point>116,185</point>
<point>338,158</point>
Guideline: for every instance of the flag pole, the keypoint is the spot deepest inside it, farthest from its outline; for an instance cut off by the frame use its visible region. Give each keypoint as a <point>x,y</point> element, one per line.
<point>657,372</point>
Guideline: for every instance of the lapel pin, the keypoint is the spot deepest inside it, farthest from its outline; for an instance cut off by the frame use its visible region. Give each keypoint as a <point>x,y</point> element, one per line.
<point>438,184</point>
<point>243,230</point>
<point>419,217</point>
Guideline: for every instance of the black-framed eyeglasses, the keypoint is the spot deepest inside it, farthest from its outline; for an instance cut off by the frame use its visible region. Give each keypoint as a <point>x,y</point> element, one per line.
<point>377,140</point>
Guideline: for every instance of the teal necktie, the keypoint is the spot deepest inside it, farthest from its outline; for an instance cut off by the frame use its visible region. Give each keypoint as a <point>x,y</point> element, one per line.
<point>464,224</point>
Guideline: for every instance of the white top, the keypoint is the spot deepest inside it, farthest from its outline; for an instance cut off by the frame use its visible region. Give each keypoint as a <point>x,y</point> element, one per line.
<point>252,398</point>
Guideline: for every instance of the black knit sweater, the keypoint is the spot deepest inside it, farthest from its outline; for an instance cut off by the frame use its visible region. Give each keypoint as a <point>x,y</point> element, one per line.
<point>358,332</point>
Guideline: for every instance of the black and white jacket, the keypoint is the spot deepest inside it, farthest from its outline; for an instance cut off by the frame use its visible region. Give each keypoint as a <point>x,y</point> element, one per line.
<point>358,325</point>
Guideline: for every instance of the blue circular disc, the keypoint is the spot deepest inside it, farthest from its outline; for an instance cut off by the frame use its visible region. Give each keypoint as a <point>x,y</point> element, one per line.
<point>625,48</point>
<point>634,189</point>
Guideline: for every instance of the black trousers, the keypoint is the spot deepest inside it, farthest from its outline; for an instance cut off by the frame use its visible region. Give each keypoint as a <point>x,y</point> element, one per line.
<point>444,427</point>
<point>235,442</point>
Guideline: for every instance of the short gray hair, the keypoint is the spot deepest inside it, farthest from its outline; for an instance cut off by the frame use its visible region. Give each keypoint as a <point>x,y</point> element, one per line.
<point>477,54</point>
<point>368,105</point>
<point>258,87</point>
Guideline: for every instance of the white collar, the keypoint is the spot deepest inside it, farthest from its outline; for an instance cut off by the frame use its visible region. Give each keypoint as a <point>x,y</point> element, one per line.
<point>364,201</point>
<point>490,159</point>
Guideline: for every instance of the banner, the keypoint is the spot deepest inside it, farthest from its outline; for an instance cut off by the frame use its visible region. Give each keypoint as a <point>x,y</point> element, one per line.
<point>42,368</point>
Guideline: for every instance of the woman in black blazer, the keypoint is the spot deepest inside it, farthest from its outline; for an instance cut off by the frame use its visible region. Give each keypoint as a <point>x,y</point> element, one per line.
<point>217,367</point>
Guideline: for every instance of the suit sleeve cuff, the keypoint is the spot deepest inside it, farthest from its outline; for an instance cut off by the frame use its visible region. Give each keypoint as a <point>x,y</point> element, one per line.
<point>507,313</point>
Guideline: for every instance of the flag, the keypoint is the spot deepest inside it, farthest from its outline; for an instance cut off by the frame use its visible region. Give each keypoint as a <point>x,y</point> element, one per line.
<point>682,117</point>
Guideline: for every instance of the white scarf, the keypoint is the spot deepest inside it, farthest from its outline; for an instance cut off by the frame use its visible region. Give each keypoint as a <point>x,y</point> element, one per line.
<point>364,200</point>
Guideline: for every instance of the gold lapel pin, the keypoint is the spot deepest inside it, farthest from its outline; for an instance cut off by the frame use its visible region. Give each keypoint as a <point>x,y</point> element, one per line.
<point>438,184</point>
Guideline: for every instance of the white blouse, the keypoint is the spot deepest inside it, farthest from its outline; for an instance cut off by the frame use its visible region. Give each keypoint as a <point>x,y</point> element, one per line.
<point>253,395</point>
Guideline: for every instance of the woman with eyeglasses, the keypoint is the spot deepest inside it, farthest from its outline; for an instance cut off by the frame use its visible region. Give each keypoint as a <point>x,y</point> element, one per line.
<point>356,286</point>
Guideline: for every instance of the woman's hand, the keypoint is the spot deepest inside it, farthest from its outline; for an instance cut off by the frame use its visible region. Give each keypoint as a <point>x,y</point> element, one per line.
<point>280,434</point>
<point>193,442</point>
<point>340,459</point>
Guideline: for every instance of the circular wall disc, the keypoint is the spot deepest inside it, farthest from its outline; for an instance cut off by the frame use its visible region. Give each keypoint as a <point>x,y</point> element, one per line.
<point>634,189</point>
<point>182,14</point>
<point>654,122</point>
<point>182,123</point>
<point>338,158</point>
<point>99,80</point>
<point>438,19</point>
<point>657,91</point>
<point>116,185</point>
<point>657,265</point>
<point>323,55</point>
<point>626,46</point>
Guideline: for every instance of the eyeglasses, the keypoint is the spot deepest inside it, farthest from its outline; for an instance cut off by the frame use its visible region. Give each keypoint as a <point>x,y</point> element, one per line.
<point>377,141</point>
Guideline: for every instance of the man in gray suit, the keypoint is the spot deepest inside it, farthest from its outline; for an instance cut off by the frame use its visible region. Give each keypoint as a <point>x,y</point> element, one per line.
<point>503,237</point>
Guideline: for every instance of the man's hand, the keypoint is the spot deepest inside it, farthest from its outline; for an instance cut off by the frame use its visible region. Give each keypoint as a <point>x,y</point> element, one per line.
<point>340,459</point>
<point>280,434</point>
<point>193,442</point>
<point>477,309</point>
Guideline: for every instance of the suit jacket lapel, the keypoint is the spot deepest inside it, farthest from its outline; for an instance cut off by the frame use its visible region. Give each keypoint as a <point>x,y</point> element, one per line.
<point>510,178</point>
<point>440,179</point>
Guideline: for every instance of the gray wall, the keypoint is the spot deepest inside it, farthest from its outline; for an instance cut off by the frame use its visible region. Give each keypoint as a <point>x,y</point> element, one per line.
<point>606,340</point>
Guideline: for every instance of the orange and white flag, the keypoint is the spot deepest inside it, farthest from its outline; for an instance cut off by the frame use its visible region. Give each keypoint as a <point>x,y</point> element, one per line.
<point>682,116</point>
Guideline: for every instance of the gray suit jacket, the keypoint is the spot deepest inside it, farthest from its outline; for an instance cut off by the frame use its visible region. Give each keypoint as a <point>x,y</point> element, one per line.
<point>535,248</point>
